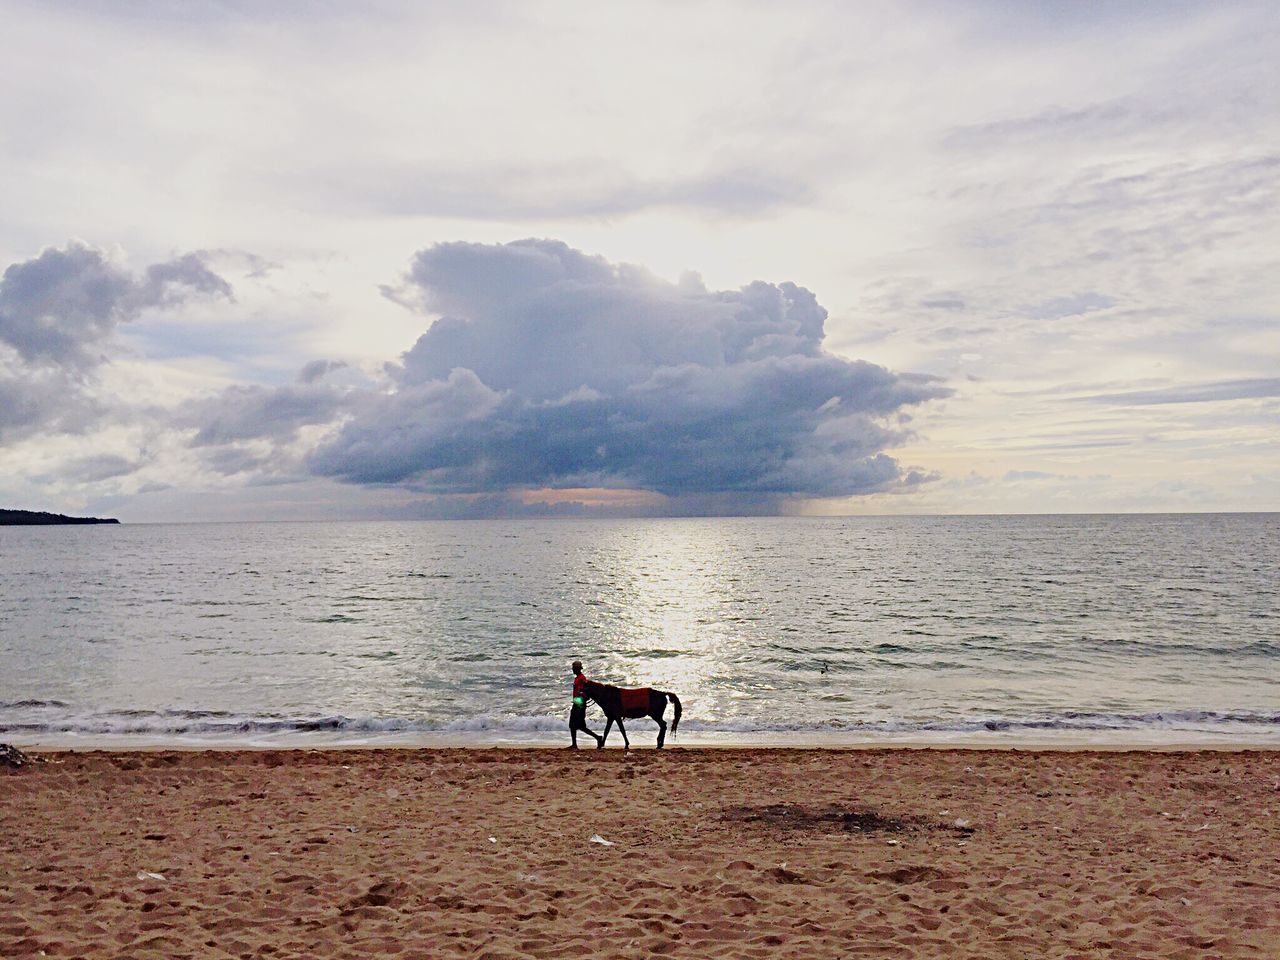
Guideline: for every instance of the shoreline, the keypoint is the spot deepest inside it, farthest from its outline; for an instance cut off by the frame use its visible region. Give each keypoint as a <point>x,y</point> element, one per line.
<point>226,752</point>
<point>153,748</point>
<point>1121,742</point>
<point>714,853</point>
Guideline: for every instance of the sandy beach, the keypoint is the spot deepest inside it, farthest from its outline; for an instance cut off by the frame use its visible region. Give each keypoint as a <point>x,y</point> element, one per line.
<point>709,853</point>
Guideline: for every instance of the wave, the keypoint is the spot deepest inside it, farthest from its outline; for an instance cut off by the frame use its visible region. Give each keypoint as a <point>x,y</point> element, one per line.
<point>34,718</point>
<point>6,705</point>
<point>1077,721</point>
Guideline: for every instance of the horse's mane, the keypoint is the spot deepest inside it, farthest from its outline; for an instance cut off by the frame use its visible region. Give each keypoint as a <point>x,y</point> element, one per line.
<point>602,686</point>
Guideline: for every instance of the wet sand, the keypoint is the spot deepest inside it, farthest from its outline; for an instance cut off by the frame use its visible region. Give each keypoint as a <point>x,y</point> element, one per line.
<point>711,853</point>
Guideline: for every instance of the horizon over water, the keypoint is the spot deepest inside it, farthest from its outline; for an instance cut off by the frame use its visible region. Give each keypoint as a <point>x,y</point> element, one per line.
<point>1119,629</point>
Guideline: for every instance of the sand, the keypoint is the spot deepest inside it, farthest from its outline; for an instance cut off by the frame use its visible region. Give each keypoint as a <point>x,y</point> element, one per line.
<point>712,853</point>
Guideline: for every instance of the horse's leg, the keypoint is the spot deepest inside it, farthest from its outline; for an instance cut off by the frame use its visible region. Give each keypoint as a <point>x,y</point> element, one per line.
<point>625,742</point>
<point>608,724</point>
<point>657,707</point>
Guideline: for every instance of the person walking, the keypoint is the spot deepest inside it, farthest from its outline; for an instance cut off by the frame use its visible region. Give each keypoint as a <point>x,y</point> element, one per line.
<point>578,712</point>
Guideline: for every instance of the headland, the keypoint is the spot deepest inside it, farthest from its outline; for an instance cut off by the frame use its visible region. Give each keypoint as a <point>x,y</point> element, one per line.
<point>38,518</point>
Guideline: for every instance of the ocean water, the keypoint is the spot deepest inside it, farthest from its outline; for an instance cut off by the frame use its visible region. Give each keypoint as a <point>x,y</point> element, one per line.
<point>1083,629</point>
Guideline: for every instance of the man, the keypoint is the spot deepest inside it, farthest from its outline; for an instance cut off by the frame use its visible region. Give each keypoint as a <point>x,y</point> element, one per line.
<point>578,712</point>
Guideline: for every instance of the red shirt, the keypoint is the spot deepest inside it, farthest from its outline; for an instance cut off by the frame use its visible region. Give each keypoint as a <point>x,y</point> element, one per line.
<point>579,685</point>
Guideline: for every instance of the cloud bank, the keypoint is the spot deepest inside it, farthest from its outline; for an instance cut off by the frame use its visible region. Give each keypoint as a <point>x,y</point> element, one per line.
<point>549,368</point>
<point>544,369</point>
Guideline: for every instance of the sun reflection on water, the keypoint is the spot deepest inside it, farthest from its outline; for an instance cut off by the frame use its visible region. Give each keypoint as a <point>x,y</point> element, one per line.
<point>675,615</point>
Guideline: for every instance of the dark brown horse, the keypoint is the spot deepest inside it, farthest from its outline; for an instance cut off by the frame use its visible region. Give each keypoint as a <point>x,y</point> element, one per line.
<point>619,702</point>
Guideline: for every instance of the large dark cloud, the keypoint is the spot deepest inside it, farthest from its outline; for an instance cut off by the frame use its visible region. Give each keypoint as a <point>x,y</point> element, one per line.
<point>551,368</point>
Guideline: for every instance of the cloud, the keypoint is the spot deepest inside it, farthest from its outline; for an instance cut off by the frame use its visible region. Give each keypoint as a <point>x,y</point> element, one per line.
<point>556,191</point>
<point>1247,389</point>
<point>1092,122</point>
<point>165,281</point>
<point>42,399</point>
<point>552,368</point>
<point>58,315</point>
<point>247,412</point>
<point>99,467</point>
<point>1017,476</point>
<point>57,308</point>
<point>252,428</point>
<point>317,369</point>
<point>1061,308</point>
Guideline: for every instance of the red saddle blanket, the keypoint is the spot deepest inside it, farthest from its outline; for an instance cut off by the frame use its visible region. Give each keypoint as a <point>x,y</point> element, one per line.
<point>635,699</point>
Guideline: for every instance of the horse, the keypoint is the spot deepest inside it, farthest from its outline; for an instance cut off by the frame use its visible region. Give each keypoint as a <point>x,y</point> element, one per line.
<point>619,702</point>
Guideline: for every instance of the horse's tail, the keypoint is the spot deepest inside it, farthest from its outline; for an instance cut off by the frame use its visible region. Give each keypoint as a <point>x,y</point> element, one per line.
<point>675,721</point>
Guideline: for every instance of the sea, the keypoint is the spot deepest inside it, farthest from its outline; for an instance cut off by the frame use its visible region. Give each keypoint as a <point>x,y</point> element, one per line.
<point>1113,631</point>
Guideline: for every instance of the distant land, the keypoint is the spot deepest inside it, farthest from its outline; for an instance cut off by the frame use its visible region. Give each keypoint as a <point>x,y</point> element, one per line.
<point>34,518</point>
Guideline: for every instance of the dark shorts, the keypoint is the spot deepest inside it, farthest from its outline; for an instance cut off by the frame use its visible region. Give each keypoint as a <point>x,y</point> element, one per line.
<point>577,717</point>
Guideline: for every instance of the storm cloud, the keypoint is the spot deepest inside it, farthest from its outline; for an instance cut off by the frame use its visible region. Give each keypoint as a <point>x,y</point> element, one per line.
<point>549,368</point>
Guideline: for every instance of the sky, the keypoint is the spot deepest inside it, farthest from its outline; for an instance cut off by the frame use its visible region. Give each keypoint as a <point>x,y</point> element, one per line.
<point>400,260</point>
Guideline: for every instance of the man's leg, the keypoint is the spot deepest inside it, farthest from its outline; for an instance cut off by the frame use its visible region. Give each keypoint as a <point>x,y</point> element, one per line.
<point>578,721</point>
<point>575,721</point>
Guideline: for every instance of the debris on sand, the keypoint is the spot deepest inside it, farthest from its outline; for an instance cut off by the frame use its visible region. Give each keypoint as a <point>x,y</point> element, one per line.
<point>785,816</point>
<point>12,757</point>
<point>796,817</point>
<point>384,893</point>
